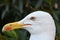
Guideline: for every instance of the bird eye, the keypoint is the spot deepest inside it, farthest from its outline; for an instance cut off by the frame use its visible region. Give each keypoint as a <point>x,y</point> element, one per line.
<point>32,18</point>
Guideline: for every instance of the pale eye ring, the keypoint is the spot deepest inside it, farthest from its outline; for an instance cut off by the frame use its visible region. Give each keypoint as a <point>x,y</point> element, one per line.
<point>32,18</point>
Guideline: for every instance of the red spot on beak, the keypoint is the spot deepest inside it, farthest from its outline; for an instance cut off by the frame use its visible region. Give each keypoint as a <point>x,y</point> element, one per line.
<point>8,28</point>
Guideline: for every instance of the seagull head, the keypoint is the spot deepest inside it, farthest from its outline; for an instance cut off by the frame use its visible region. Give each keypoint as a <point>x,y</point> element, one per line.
<point>35,22</point>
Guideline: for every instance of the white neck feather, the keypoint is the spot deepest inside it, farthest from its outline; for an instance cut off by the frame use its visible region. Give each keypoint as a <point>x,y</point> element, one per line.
<point>43,36</point>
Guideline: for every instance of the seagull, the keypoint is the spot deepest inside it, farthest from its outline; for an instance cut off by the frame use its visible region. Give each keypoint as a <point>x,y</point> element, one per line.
<point>40,24</point>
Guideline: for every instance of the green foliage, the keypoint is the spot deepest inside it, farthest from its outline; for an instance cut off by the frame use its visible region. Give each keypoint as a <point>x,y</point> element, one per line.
<point>11,34</point>
<point>3,37</point>
<point>18,34</point>
<point>49,2</point>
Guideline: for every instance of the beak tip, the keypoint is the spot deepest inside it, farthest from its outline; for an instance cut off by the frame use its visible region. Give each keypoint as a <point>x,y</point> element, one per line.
<point>2,29</point>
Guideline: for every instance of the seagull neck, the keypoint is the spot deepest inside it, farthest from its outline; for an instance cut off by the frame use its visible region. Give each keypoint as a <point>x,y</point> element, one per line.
<point>42,36</point>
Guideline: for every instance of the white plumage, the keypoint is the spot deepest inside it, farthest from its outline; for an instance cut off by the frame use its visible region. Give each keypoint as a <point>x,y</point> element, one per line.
<point>43,26</point>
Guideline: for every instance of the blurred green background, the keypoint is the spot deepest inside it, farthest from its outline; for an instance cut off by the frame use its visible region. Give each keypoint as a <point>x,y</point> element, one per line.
<point>15,10</point>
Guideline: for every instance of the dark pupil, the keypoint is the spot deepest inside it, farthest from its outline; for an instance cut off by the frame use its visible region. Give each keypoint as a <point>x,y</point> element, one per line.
<point>32,18</point>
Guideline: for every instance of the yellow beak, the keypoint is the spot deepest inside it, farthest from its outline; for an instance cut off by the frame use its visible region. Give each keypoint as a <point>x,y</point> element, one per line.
<point>12,26</point>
